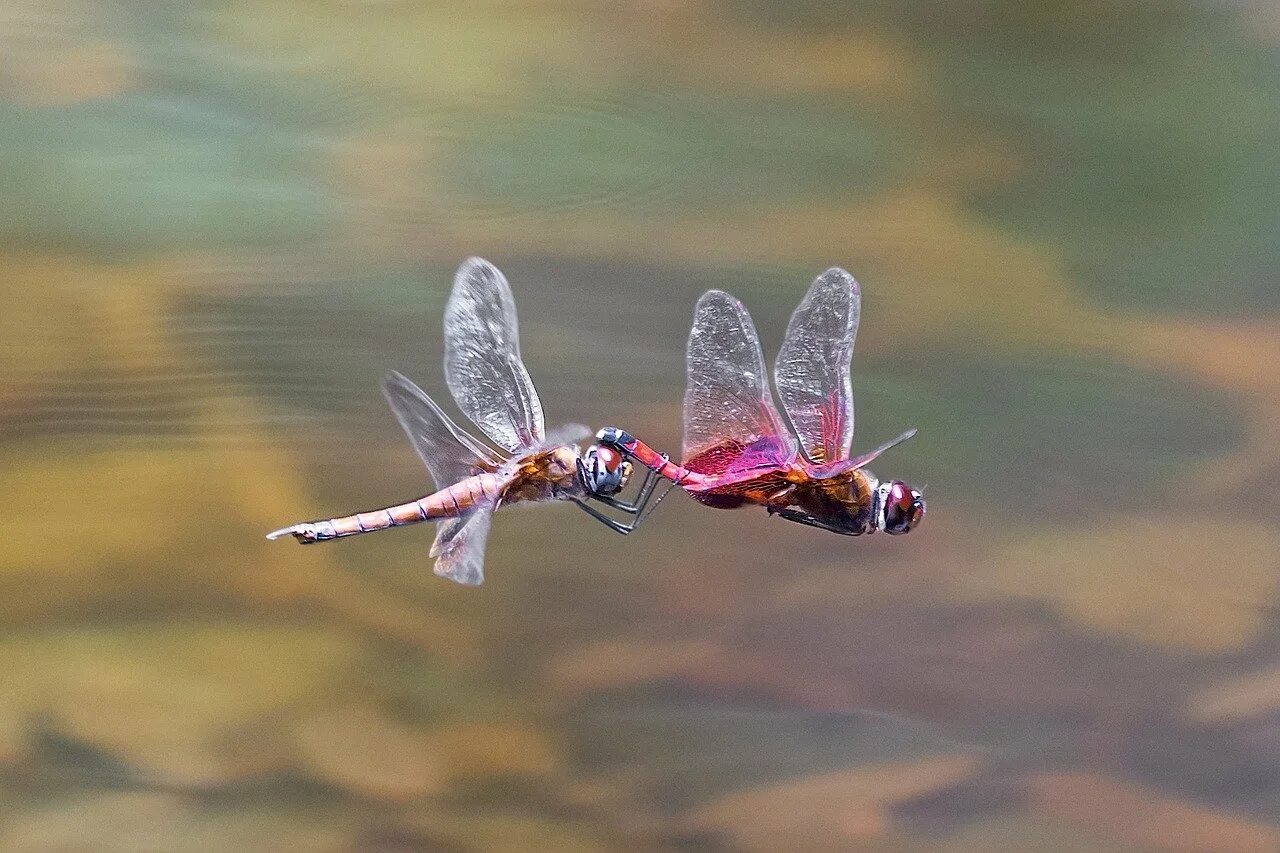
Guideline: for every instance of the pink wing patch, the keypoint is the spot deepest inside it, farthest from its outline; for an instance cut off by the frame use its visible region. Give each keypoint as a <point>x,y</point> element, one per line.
<point>732,462</point>
<point>768,453</point>
<point>716,459</point>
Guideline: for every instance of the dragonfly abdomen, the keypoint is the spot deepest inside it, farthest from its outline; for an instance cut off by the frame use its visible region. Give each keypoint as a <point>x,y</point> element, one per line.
<point>448,502</point>
<point>460,497</point>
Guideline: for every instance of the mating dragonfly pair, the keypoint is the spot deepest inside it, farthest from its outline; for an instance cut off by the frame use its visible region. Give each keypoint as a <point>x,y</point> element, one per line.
<point>737,449</point>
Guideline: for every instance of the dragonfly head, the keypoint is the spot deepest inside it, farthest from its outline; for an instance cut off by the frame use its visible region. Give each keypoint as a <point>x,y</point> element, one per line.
<point>900,507</point>
<point>603,470</point>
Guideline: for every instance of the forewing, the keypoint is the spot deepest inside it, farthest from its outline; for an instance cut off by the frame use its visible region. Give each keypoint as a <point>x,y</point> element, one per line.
<point>812,370</point>
<point>727,400</point>
<point>482,358</point>
<point>449,452</point>
<point>459,546</point>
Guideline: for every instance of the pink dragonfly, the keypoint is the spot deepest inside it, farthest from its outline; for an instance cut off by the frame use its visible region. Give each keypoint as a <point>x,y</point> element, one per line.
<point>737,450</point>
<point>490,384</point>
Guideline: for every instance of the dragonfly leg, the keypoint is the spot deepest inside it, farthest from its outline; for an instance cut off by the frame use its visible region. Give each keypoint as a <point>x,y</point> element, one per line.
<point>801,517</point>
<point>612,523</point>
<point>642,497</point>
<point>657,466</point>
<point>640,509</point>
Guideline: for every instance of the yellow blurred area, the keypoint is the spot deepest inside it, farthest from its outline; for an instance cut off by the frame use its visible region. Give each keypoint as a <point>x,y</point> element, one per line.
<point>435,51</point>
<point>832,811</point>
<point>173,698</point>
<point>86,314</point>
<point>1147,578</point>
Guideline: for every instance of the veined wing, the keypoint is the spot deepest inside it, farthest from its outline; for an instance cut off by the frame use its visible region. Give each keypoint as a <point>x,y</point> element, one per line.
<point>460,543</point>
<point>449,452</point>
<point>727,403</point>
<point>812,370</point>
<point>482,363</point>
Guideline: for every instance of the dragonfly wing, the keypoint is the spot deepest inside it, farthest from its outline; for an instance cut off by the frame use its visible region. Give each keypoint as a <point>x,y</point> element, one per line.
<point>727,400</point>
<point>482,358</point>
<point>449,452</point>
<point>558,437</point>
<point>812,370</point>
<point>459,546</point>
<point>870,456</point>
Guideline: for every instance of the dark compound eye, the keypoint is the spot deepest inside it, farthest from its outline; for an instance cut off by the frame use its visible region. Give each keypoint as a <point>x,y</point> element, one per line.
<point>903,508</point>
<point>917,509</point>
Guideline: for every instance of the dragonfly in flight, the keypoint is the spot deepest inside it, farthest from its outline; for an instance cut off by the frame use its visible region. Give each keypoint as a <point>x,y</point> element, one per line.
<point>523,464</point>
<point>737,449</point>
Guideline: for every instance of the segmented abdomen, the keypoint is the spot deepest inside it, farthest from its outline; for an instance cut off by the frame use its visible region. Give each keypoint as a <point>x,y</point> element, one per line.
<point>446,503</point>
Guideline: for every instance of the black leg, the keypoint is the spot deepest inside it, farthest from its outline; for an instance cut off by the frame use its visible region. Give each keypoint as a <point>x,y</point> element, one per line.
<point>642,497</point>
<point>640,510</point>
<point>612,523</point>
<point>801,517</point>
<point>644,512</point>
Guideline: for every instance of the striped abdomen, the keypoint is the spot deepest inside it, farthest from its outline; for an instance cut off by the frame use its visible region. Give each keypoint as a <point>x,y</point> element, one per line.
<point>446,503</point>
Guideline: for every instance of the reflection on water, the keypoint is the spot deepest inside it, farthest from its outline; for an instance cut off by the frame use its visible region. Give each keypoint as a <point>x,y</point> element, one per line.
<point>224,223</point>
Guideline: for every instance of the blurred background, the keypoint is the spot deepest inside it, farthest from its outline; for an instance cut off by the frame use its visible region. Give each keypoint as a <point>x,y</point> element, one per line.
<point>223,223</point>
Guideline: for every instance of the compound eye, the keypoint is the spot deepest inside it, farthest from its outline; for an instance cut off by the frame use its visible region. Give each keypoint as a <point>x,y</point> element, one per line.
<point>900,510</point>
<point>609,458</point>
<point>606,470</point>
<point>917,509</point>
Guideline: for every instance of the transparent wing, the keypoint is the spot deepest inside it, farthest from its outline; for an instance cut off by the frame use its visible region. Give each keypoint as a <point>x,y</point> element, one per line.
<point>812,370</point>
<point>727,400</point>
<point>561,435</point>
<point>482,358</point>
<point>449,452</point>
<point>871,455</point>
<point>459,546</point>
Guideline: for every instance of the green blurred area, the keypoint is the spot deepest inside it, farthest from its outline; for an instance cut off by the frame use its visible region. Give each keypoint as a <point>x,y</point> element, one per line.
<point>223,223</point>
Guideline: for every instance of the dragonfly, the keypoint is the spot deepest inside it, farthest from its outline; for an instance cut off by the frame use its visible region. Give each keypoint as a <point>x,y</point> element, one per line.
<point>520,463</point>
<point>739,452</point>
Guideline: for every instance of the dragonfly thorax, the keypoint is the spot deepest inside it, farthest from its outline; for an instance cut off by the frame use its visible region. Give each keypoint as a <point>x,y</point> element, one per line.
<point>845,501</point>
<point>549,475</point>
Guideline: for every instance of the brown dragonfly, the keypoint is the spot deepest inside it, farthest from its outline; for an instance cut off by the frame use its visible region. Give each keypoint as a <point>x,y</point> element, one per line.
<point>524,463</point>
